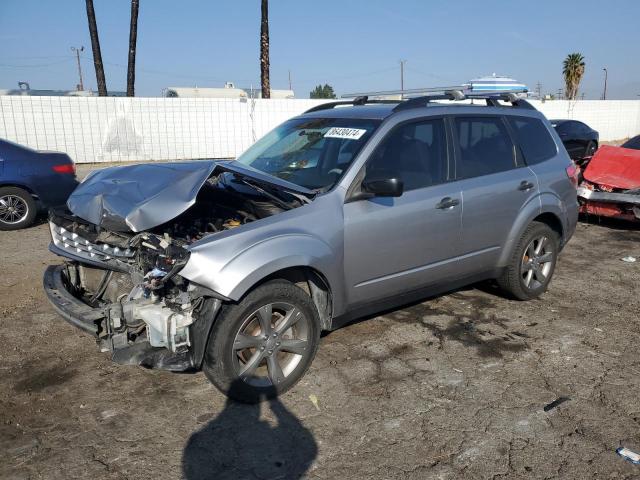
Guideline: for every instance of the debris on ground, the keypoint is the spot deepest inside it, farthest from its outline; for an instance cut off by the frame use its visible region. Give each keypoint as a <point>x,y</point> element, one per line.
<point>629,455</point>
<point>555,403</point>
<point>628,259</point>
<point>314,400</point>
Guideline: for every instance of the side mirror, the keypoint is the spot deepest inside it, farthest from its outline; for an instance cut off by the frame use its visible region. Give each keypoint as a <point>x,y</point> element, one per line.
<point>383,185</point>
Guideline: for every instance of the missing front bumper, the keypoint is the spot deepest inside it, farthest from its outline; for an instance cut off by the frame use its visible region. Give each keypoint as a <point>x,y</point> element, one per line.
<point>94,320</point>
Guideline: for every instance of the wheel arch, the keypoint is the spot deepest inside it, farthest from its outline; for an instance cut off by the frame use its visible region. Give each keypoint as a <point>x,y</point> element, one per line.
<point>550,215</point>
<point>27,188</point>
<point>313,282</point>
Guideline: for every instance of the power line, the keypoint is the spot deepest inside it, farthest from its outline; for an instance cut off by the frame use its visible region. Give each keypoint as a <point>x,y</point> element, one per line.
<point>41,65</point>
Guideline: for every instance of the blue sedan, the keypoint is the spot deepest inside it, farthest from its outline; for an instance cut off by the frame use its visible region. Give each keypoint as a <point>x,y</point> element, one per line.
<point>31,181</point>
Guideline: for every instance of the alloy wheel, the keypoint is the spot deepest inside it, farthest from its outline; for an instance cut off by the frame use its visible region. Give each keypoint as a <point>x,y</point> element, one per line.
<point>13,209</point>
<point>537,262</point>
<point>271,343</point>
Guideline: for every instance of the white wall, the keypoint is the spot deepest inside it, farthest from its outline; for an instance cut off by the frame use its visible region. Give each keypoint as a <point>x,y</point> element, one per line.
<point>614,119</point>
<point>116,129</point>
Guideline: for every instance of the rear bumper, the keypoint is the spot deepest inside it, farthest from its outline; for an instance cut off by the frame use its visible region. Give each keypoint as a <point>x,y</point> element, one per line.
<point>608,197</point>
<point>74,311</point>
<point>621,205</point>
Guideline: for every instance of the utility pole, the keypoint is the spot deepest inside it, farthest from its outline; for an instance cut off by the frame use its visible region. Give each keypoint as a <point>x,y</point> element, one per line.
<point>604,92</point>
<point>402,62</point>
<point>77,52</point>
<point>290,80</point>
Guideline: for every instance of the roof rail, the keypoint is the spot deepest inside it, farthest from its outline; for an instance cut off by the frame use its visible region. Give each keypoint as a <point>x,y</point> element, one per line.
<point>407,92</point>
<point>359,100</point>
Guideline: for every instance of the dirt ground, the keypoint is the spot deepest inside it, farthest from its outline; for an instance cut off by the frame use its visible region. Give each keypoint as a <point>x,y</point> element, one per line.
<point>450,388</point>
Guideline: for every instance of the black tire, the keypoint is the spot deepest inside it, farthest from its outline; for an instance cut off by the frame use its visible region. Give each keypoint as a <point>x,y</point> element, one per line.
<point>21,203</point>
<point>223,362</point>
<point>590,149</point>
<point>516,280</point>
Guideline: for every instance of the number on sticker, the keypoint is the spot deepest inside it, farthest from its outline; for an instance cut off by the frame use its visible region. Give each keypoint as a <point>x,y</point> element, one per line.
<point>346,133</point>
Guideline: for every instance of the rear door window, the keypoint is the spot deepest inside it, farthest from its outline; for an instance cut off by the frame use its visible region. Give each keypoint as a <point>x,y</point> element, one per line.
<point>485,146</point>
<point>533,138</point>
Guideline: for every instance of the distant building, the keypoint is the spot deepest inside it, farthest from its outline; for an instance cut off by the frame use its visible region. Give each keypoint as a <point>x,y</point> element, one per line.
<point>495,83</point>
<point>228,91</point>
<point>25,89</point>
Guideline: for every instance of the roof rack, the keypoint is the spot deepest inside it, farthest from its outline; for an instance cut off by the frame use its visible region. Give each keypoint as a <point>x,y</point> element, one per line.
<point>492,99</point>
<point>420,97</point>
<point>359,100</point>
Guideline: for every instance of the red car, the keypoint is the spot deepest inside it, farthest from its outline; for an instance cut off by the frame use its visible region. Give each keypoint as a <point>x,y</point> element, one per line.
<point>611,183</point>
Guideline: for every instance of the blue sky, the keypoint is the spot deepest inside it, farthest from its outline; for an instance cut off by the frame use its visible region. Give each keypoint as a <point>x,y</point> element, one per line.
<point>354,45</point>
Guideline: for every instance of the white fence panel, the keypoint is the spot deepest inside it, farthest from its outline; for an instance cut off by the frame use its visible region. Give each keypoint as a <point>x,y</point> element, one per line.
<point>94,129</point>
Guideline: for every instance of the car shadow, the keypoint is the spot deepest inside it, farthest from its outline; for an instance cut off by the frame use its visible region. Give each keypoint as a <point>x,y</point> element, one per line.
<point>238,444</point>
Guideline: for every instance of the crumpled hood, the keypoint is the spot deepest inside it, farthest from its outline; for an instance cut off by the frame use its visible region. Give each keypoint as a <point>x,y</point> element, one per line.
<point>139,197</point>
<point>614,167</point>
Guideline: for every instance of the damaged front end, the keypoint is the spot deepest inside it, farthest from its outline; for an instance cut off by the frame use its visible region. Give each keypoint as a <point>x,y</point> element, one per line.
<point>611,184</point>
<point>123,285</point>
<point>125,291</point>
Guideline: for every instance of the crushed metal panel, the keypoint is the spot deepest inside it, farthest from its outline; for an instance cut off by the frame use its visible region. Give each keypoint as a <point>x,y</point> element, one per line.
<point>139,197</point>
<point>614,167</point>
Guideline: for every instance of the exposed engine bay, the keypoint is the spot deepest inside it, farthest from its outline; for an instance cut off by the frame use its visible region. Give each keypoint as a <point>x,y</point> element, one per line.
<point>132,278</point>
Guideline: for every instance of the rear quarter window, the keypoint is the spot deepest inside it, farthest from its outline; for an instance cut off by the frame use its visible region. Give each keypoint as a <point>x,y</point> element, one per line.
<point>533,138</point>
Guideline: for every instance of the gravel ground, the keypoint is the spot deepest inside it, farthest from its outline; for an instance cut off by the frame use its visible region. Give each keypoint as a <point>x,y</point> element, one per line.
<point>450,388</point>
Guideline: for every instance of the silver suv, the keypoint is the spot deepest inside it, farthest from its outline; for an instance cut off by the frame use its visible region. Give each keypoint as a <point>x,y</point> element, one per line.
<point>236,267</point>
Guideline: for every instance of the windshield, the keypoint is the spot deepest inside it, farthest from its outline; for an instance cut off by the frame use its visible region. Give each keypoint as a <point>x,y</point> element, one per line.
<point>310,152</point>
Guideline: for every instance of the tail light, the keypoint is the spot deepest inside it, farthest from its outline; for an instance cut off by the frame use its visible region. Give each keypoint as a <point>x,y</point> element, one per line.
<point>68,168</point>
<point>572,172</point>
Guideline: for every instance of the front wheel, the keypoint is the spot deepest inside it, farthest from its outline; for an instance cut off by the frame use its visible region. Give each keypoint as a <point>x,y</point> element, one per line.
<point>533,262</point>
<point>591,148</point>
<point>261,346</point>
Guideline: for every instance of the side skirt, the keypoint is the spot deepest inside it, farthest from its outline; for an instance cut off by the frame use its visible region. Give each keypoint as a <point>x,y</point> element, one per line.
<point>394,302</point>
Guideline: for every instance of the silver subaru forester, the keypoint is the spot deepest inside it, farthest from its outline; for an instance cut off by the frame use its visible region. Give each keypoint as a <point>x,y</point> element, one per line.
<point>354,207</point>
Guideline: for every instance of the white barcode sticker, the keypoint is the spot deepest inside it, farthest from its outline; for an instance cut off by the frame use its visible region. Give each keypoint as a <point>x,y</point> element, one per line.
<point>347,133</point>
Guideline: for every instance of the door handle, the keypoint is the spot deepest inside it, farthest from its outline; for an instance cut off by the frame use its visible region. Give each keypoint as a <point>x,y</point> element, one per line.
<point>525,186</point>
<point>447,202</point>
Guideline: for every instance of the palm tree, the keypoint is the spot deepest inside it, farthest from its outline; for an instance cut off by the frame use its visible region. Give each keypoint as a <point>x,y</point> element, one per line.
<point>95,46</point>
<point>133,36</point>
<point>264,50</point>
<point>573,70</point>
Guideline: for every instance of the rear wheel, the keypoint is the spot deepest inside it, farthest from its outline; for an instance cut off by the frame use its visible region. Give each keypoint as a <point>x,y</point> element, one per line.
<point>591,149</point>
<point>533,262</point>
<point>262,346</point>
<point>17,208</point>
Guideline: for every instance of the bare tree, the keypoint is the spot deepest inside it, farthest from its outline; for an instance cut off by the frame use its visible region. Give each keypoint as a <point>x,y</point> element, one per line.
<point>133,36</point>
<point>95,46</point>
<point>264,50</point>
